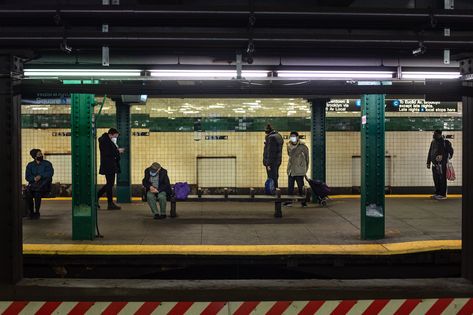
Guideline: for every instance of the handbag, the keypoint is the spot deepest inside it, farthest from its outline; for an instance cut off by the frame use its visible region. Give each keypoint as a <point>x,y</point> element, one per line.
<point>450,171</point>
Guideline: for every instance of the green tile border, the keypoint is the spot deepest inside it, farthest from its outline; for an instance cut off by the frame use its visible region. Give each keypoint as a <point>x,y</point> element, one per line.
<point>241,124</point>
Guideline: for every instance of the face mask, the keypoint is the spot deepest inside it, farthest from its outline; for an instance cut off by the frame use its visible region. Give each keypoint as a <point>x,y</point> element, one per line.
<point>153,173</point>
<point>114,140</point>
<point>39,158</point>
<point>294,139</point>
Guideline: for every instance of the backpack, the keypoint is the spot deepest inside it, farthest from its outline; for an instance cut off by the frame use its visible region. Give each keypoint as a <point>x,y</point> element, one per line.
<point>269,188</point>
<point>182,190</point>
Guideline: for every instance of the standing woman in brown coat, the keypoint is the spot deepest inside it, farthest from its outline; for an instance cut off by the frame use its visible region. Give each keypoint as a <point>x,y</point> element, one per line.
<point>298,164</point>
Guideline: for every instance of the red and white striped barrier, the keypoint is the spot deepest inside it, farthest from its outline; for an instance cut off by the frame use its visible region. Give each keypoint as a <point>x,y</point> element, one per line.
<point>366,307</point>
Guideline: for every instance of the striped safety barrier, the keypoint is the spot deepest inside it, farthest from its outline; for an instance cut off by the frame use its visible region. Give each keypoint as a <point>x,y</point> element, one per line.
<point>367,307</point>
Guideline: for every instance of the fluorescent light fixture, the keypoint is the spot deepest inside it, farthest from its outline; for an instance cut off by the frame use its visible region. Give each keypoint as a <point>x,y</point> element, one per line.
<point>346,75</point>
<point>216,106</point>
<point>206,74</point>
<point>86,73</point>
<point>430,75</point>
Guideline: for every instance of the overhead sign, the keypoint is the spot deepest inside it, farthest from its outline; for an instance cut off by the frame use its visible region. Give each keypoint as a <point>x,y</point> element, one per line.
<point>420,106</point>
<point>395,105</point>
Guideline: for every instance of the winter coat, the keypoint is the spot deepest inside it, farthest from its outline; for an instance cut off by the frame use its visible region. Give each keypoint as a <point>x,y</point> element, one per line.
<point>440,147</point>
<point>163,184</point>
<point>298,164</point>
<point>45,170</point>
<point>109,156</point>
<point>272,155</point>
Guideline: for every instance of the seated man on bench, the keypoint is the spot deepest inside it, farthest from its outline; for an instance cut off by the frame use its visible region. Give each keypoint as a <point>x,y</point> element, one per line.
<point>158,188</point>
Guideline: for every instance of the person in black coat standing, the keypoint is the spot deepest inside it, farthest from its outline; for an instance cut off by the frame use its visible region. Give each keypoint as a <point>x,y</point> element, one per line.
<point>109,164</point>
<point>440,152</point>
<point>272,155</point>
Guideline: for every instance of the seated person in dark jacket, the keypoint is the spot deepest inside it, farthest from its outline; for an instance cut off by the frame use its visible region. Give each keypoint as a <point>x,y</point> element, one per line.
<point>39,175</point>
<point>158,188</point>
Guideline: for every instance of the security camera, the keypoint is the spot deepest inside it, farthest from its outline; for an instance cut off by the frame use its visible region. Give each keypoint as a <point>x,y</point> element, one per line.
<point>419,50</point>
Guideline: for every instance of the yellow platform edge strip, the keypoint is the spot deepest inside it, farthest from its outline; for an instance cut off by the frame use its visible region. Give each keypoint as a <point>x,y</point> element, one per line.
<point>453,196</point>
<point>247,250</point>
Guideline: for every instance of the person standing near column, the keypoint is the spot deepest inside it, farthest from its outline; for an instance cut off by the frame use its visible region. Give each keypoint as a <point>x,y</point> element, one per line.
<point>298,164</point>
<point>440,152</point>
<point>272,155</point>
<point>109,165</point>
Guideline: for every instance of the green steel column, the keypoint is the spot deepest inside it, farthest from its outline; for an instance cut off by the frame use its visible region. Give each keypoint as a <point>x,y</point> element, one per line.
<point>84,205</point>
<point>124,128</point>
<point>372,167</point>
<point>318,140</point>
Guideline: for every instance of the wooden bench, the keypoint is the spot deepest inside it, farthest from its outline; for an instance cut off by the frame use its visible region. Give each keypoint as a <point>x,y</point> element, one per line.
<point>278,199</point>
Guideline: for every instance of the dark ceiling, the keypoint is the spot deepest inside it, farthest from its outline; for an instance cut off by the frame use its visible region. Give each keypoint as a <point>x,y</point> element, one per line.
<point>220,29</point>
<point>268,33</point>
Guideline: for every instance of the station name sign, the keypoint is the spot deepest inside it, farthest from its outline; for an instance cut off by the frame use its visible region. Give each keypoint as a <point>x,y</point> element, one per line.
<point>395,105</point>
<point>47,99</point>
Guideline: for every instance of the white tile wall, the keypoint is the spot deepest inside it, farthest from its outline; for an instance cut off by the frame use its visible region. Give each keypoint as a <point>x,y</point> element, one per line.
<point>178,152</point>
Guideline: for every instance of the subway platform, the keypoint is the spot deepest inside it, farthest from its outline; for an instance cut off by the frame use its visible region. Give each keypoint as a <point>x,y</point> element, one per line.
<point>237,223</point>
<point>235,240</point>
<point>242,240</point>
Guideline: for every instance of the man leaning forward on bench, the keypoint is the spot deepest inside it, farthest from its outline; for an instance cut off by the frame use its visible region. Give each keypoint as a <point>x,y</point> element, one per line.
<point>158,189</point>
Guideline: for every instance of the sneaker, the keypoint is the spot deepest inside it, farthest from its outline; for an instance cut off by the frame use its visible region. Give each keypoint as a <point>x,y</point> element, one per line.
<point>440,197</point>
<point>36,215</point>
<point>287,204</point>
<point>304,204</point>
<point>113,206</point>
<point>162,216</point>
<point>156,217</point>
<point>159,216</point>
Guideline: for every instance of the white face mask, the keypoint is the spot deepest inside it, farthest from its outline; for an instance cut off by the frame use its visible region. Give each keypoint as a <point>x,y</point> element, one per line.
<point>114,140</point>
<point>294,139</point>
<point>153,174</point>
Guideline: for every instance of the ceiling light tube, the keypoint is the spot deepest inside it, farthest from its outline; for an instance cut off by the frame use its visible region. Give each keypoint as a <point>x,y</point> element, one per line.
<point>81,73</point>
<point>336,74</point>
<point>206,74</point>
<point>413,75</point>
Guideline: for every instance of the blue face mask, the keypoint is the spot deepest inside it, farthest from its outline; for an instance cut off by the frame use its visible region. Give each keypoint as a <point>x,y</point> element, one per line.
<point>153,173</point>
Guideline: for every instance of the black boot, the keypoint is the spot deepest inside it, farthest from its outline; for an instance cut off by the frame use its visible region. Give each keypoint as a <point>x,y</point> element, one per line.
<point>112,206</point>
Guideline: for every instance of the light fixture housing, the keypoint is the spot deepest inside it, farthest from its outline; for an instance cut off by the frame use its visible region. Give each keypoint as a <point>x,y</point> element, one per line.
<point>335,75</point>
<point>206,74</point>
<point>423,75</point>
<point>80,73</point>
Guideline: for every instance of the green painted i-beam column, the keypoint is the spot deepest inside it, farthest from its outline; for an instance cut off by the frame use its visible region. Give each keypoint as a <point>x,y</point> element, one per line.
<point>318,140</point>
<point>124,128</point>
<point>372,167</point>
<point>84,178</point>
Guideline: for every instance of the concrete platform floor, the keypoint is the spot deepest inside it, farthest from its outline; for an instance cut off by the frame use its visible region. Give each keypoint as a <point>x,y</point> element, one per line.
<point>227,223</point>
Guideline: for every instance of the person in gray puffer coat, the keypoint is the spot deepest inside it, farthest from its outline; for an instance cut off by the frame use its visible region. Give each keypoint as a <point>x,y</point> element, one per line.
<point>298,164</point>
